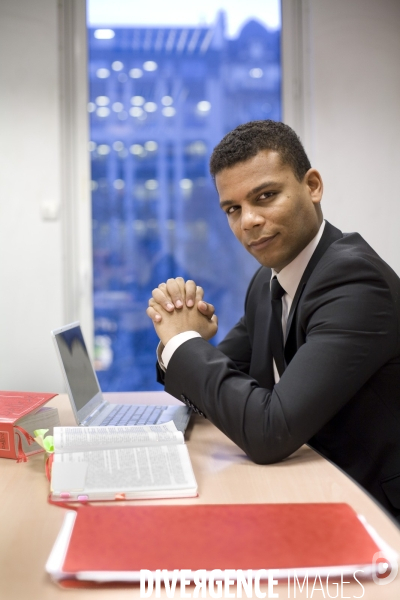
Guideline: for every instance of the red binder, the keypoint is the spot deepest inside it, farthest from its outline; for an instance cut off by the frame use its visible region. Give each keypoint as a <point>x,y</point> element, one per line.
<point>115,543</point>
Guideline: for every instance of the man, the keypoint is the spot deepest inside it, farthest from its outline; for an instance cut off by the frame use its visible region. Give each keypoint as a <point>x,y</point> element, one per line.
<point>316,357</point>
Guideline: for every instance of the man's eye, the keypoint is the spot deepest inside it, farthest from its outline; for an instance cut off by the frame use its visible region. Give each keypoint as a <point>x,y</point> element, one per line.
<point>231,210</point>
<point>266,195</point>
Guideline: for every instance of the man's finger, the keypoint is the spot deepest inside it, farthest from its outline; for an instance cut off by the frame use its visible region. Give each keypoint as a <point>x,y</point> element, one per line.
<point>153,315</point>
<point>190,291</point>
<point>199,292</point>
<point>161,296</point>
<point>176,291</point>
<point>206,309</point>
<point>156,306</point>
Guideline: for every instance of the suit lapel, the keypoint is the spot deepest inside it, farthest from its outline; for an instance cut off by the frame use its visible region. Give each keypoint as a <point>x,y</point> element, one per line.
<point>330,235</point>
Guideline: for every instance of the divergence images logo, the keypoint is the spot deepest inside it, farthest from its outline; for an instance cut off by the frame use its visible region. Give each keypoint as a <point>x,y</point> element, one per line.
<point>387,569</point>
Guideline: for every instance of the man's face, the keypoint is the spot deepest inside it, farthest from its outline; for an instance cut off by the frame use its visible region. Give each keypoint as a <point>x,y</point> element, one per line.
<point>270,212</point>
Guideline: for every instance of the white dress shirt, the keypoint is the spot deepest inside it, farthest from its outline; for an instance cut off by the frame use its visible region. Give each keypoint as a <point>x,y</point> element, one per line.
<point>289,278</point>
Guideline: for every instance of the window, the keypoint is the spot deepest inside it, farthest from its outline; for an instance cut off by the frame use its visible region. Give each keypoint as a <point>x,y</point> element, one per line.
<point>161,97</point>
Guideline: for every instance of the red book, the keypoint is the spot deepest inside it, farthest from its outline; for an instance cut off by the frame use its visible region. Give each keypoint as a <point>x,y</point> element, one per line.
<point>13,407</point>
<point>114,543</point>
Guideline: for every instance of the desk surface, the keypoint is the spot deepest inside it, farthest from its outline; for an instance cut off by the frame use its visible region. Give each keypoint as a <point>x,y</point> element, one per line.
<point>29,525</point>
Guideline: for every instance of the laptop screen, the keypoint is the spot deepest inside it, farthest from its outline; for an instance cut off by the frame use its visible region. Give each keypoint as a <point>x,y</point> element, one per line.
<point>77,365</point>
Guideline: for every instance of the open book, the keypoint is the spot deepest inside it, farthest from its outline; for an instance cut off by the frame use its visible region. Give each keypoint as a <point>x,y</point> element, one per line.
<point>117,463</point>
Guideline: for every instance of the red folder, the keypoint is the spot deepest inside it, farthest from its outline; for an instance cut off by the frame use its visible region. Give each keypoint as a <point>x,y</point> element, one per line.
<point>114,543</point>
<point>13,406</point>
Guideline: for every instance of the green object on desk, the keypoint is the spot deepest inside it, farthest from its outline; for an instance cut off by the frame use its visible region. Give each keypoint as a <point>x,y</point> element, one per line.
<point>47,443</point>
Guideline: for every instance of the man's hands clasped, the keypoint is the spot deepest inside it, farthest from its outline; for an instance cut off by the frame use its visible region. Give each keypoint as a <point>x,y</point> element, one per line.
<point>177,306</point>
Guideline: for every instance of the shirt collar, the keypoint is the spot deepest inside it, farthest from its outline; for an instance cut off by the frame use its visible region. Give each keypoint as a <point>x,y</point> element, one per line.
<point>289,277</point>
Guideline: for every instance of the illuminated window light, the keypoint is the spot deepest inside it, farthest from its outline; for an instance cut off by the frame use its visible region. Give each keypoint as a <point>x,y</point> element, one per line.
<point>135,73</point>
<point>136,111</point>
<point>118,146</point>
<point>103,111</point>
<point>137,100</point>
<point>151,146</point>
<point>150,65</point>
<point>150,107</point>
<point>167,100</point>
<point>204,106</point>
<point>256,73</point>
<point>117,65</point>
<point>102,100</point>
<point>103,149</point>
<point>103,73</point>
<point>151,184</point>
<point>104,34</point>
<point>186,184</point>
<point>168,111</point>
<point>197,148</point>
<point>136,149</point>
<point>139,226</point>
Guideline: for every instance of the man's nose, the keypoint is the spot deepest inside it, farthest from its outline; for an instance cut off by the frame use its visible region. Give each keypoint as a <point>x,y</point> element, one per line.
<point>250,218</point>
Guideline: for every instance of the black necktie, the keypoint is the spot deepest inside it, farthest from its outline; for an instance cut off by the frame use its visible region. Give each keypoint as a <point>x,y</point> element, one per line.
<point>276,332</point>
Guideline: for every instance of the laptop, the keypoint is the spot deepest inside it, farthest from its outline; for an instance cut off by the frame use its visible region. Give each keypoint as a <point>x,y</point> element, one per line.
<point>88,404</point>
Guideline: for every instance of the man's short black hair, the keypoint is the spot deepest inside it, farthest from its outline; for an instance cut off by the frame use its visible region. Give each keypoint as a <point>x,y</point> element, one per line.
<point>249,139</point>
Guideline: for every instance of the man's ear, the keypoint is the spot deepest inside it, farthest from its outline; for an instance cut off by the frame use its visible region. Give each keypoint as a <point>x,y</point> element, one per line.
<point>313,180</point>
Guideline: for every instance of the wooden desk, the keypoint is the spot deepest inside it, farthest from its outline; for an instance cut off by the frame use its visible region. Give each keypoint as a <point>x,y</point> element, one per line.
<point>29,525</point>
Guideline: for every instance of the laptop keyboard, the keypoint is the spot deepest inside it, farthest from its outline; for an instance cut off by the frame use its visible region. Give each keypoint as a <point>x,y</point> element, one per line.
<point>128,414</point>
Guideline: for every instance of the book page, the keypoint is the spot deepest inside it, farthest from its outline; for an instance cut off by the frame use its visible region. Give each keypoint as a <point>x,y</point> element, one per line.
<point>132,469</point>
<point>68,439</point>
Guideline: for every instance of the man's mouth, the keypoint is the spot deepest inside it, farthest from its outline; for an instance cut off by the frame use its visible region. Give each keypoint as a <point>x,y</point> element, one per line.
<point>262,242</point>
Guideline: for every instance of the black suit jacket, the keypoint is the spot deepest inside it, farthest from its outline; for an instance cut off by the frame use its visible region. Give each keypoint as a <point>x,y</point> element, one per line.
<point>340,392</point>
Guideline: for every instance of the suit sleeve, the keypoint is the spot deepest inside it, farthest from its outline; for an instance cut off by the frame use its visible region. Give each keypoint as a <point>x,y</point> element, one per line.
<point>349,318</point>
<point>236,346</point>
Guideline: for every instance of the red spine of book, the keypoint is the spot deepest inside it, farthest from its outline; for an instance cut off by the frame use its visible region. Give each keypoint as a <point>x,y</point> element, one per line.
<point>7,445</point>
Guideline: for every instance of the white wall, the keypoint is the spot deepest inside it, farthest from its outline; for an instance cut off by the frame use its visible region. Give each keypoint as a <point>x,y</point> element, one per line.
<point>31,295</point>
<point>349,83</point>
<point>44,197</point>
